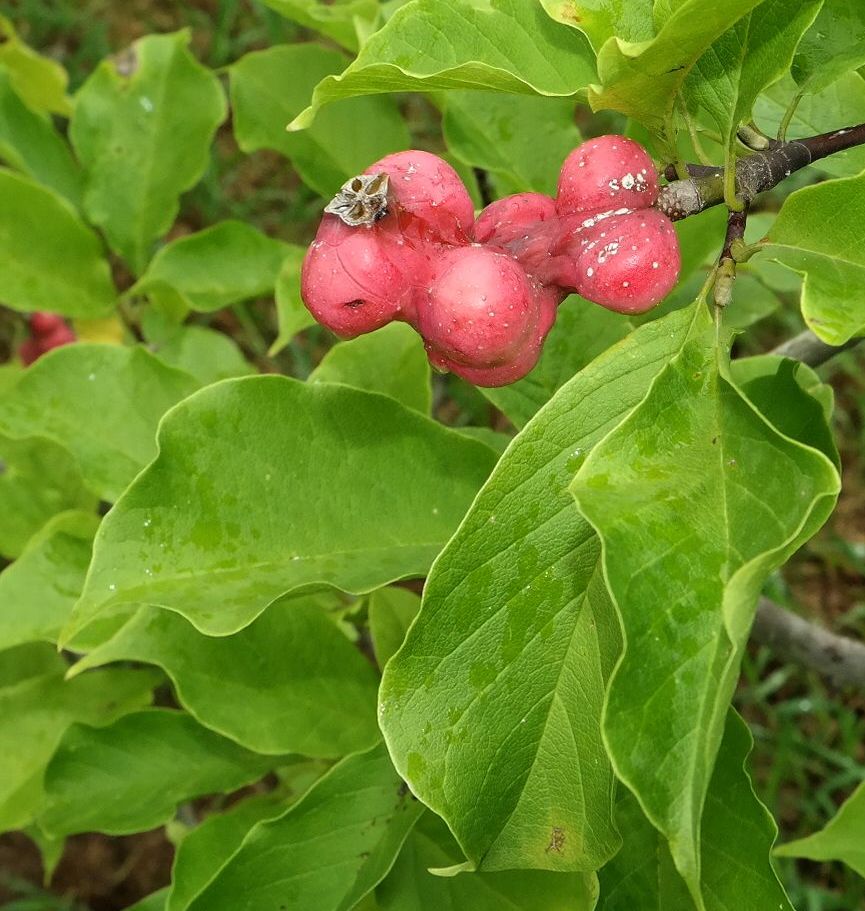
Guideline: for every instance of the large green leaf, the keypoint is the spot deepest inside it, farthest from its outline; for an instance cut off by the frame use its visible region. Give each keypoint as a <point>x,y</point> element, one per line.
<point>288,683</point>
<point>221,265</point>
<point>269,88</point>
<point>40,81</point>
<point>832,108</point>
<point>411,887</point>
<point>502,134</point>
<point>391,360</point>
<point>51,259</point>
<point>582,332</point>
<point>342,487</point>
<point>207,355</point>
<point>691,496</point>
<point>736,838</point>
<point>212,843</point>
<point>842,838</point>
<point>833,45</point>
<point>756,51</point>
<point>331,848</point>
<point>38,479</point>
<point>290,308</point>
<point>101,402</point>
<point>38,590</point>
<point>142,128</point>
<point>504,45</point>
<point>130,775</point>
<point>30,143</point>
<point>600,20</point>
<point>391,611</point>
<point>643,79</point>
<point>336,20</point>
<point>36,711</point>
<point>491,708</point>
<point>820,233</point>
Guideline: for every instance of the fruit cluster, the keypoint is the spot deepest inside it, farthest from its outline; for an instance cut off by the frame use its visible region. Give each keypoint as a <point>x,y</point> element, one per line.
<point>402,243</point>
<point>47,331</point>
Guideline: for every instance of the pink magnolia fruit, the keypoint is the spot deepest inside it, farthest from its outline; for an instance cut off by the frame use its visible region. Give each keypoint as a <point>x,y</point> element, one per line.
<point>355,280</point>
<point>48,331</point>
<point>428,188</point>
<point>480,308</point>
<point>610,172</point>
<point>627,263</point>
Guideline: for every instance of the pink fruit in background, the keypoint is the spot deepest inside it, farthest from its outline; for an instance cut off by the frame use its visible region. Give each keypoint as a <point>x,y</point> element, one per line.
<point>610,172</point>
<point>48,331</point>
<point>355,280</point>
<point>627,263</point>
<point>428,188</point>
<point>480,308</point>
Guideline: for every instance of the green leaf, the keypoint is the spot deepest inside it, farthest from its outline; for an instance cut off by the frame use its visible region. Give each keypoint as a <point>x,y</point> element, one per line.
<point>411,887</point>
<point>38,479</point>
<point>582,331</point>
<point>391,611</point>
<point>736,838</point>
<point>36,711</point>
<point>156,901</point>
<point>211,844</point>
<point>51,259</point>
<point>269,88</point>
<point>288,683</point>
<point>833,108</point>
<point>842,838</point>
<point>502,134</point>
<point>428,45</point>
<point>834,45</point>
<point>491,709</point>
<point>290,308</point>
<point>792,397</point>
<point>142,128</point>
<point>205,354</point>
<point>752,301</point>
<point>332,847</point>
<point>23,662</point>
<point>697,498</point>
<point>131,775</point>
<point>102,403</point>
<point>39,81</point>
<point>256,522</point>
<point>821,234</point>
<point>643,79</point>
<point>599,20</point>
<point>337,20</point>
<point>30,143</point>
<point>755,52</point>
<point>391,361</point>
<point>38,590</point>
<point>222,265</point>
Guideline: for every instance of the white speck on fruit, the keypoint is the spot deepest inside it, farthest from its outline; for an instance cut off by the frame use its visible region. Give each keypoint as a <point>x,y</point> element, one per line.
<point>654,265</point>
<point>590,271</point>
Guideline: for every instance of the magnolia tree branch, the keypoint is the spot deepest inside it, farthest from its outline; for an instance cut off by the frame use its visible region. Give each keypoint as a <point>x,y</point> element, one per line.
<point>755,173</point>
<point>793,639</point>
<point>811,350</point>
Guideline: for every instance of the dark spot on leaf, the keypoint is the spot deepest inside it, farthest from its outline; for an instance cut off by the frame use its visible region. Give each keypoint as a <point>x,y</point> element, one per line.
<point>714,440</point>
<point>402,790</point>
<point>126,62</point>
<point>557,840</point>
<point>363,855</point>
